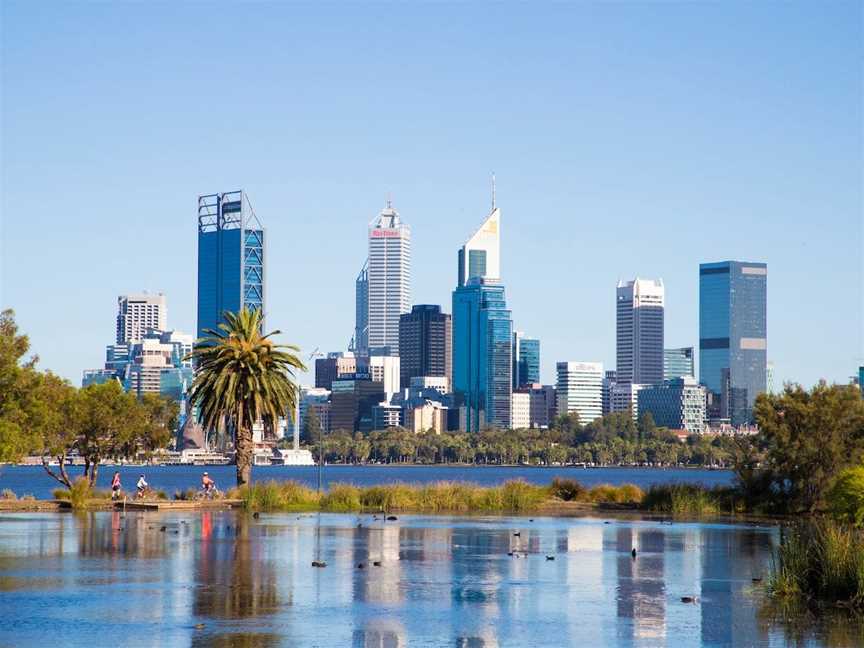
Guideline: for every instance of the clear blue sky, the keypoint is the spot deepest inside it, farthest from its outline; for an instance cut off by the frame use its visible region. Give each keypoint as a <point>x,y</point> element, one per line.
<point>626,138</point>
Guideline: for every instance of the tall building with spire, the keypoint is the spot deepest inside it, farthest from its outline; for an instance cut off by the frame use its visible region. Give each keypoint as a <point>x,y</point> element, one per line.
<point>360,344</point>
<point>388,275</point>
<point>230,258</point>
<point>482,330</point>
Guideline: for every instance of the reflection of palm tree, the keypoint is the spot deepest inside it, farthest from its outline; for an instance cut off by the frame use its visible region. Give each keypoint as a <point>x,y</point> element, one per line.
<point>244,378</point>
<point>233,584</point>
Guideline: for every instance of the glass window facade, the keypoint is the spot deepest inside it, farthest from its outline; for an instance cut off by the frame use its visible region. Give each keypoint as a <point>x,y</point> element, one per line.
<point>231,259</point>
<point>526,360</point>
<point>733,335</point>
<point>678,363</point>
<point>482,355</point>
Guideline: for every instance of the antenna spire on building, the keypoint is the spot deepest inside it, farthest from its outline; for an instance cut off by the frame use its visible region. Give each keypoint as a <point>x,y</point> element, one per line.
<point>493,191</point>
<point>389,200</point>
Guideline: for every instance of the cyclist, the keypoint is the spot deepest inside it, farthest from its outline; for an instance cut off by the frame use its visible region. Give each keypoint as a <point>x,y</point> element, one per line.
<point>208,486</point>
<point>142,486</point>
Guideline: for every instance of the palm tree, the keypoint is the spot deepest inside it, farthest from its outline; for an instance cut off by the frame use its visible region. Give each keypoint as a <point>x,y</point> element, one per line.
<point>242,378</point>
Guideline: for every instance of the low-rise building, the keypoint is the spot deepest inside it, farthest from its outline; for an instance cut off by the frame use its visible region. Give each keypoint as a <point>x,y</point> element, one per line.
<point>678,404</point>
<point>624,397</point>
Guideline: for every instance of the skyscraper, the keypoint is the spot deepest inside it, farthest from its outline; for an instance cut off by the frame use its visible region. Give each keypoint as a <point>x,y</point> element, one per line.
<point>482,331</point>
<point>389,278</point>
<point>678,362</point>
<point>580,389</point>
<point>230,258</point>
<point>526,360</point>
<point>138,313</point>
<point>733,304</point>
<point>639,347</point>
<point>361,312</point>
<point>425,343</point>
<point>482,342</point>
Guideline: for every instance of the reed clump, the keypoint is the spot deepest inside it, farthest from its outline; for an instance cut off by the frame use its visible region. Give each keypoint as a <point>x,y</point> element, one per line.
<point>689,499</point>
<point>80,493</point>
<point>820,561</point>
<point>8,494</point>
<point>272,496</point>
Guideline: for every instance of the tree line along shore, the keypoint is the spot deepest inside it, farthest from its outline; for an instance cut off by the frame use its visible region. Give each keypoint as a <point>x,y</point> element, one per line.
<point>806,462</point>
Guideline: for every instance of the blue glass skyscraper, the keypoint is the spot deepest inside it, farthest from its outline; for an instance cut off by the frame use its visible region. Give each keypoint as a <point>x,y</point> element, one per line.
<point>733,304</point>
<point>230,257</point>
<point>526,360</point>
<point>482,331</point>
<point>482,342</point>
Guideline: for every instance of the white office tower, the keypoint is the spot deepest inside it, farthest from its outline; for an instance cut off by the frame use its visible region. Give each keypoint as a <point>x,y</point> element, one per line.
<point>480,257</point>
<point>580,389</point>
<point>136,314</point>
<point>389,279</point>
<point>639,339</point>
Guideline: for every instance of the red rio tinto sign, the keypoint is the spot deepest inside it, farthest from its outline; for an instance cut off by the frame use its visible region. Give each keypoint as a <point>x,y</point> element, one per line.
<point>385,233</point>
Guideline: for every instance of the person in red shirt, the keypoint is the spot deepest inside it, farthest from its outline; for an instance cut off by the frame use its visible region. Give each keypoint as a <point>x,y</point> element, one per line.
<point>115,486</point>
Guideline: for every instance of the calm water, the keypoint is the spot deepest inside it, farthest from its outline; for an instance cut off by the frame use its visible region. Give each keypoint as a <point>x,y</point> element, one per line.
<point>103,579</point>
<point>34,480</point>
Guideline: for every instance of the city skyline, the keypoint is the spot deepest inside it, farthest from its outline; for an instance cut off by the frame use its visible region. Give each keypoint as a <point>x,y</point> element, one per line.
<point>691,159</point>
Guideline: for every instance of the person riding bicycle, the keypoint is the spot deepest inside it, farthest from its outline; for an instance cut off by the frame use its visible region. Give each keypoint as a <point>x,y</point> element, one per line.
<point>207,484</point>
<point>115,486</point>
<point>142,486</point>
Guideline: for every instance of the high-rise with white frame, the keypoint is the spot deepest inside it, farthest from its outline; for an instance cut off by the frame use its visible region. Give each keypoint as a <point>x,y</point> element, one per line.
<point>580,389</point>
<point>389,278</point>
<point>138,313</point>
<point>639,338</point>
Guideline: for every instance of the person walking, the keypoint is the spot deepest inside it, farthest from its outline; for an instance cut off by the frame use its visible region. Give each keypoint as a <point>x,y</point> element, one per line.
<point>115,486</point>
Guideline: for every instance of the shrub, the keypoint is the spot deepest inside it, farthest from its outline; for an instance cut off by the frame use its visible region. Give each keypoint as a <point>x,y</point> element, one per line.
<point>846,496</point>
<point>79,493</point>
<point>341,498</point>
<point>187,495</point>
<point>276,496</point>
<point>568,490</point>
<point>604,493</point>
<point>60,494</point>
<point>630,494</point>
<point>683,499</point>
<point>8,494</point>
<point>389,497</point>
<point>519,495</point>
<point>821,560</point>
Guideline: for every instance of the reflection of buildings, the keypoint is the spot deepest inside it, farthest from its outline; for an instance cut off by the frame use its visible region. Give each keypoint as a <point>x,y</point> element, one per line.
<point>641,584</point>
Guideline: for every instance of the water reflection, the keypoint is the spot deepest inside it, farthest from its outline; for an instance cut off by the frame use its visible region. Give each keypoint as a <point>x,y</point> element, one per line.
<point>222,578</point>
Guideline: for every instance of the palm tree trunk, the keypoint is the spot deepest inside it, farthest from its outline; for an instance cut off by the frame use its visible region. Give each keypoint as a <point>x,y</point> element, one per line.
<point>243,452</point>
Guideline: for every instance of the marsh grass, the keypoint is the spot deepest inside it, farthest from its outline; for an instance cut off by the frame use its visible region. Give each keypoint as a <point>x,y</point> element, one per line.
<point>514,496</point>
<point>690,499</point>
<point>8,494</point>
<point>821,561</point>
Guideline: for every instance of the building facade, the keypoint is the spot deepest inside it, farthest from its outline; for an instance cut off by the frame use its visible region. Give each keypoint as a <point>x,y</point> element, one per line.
<point>520,409</point>
<point>361,311</point>
<point>624,397</point>
<point>733,345</point>
<point>482,331</point>
<point>336,366</point>
<point>678,404</point>
<point>231,258</point>
<point>679,362</point>
<point>482,355</point>
<point>639,331</point>
<point>580,389</point>
<point>526,360</point>
<point>139,313</point>
<point>351,403</point>
<point>389,278</point>
<point>425,343</point>
<point>610,379</point>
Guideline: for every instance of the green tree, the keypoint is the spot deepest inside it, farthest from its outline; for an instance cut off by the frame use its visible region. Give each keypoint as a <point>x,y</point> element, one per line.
<point>646,426</point>
<point>808,437</point>
<point>18,378</point>
<point>243,378</point>
<point>311,426</point>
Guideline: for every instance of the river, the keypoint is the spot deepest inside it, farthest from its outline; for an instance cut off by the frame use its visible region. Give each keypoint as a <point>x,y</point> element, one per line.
<point>34,481</point>
<point>228,579</point>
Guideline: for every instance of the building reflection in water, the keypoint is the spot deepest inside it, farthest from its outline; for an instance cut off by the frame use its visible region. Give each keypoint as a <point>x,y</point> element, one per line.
<point>441,580</point>
<point>233,579</point>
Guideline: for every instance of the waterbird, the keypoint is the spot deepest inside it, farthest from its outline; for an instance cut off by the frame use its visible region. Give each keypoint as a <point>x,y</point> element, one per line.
<point>319,563</point>
<point>757,579</point>
<point>688,599</point>
<point>377,563</point>
<point>360,565</point>
<point>633,552</point>
<point>199,626</point>
<point>392,518</point>
<point>256,515</point>
<point>550,557</point>
<point>518,534</point>
<point>163,528</point>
